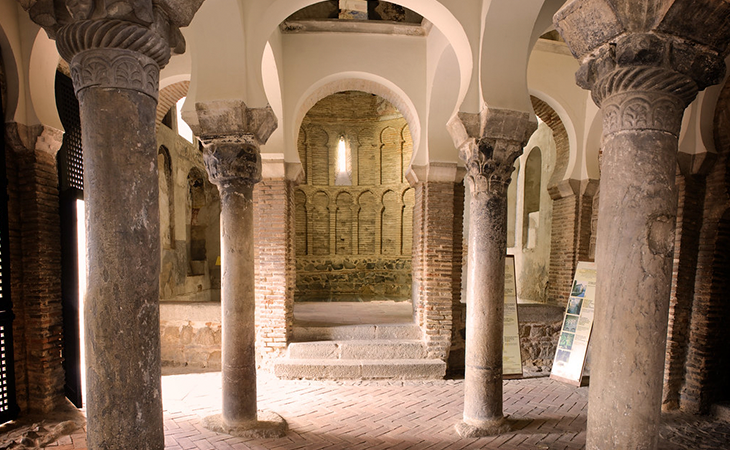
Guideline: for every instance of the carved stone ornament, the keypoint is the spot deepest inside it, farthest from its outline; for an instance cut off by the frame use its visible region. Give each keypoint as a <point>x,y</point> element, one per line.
<point>662,50</point>
<point>232,162</point>
<point>115,68</point>
<point>127,24</point>
<point>489,143</point>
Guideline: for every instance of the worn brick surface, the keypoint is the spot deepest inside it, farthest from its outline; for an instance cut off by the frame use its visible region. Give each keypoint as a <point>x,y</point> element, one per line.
<point>437,264</point>
<point>274,266</point>
<point>36,264</point>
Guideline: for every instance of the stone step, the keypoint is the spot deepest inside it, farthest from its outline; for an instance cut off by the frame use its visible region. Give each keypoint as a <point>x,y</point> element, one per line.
<point>359,369</point>
<point>357,349</point>
<point>356,332</point>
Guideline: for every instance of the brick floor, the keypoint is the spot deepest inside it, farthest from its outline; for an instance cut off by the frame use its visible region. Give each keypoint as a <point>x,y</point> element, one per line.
<point>394,415</point>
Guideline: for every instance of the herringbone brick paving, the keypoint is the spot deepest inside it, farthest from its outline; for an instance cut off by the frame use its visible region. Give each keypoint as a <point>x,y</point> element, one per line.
<point>391,415</point>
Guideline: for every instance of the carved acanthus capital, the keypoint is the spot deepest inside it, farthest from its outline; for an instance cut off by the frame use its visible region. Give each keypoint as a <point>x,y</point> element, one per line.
<point>233,162</point>
<point>664,48</point>
<point>489,143</point>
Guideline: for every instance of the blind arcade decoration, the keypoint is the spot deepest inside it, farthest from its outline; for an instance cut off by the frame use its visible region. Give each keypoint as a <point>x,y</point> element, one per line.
<point>570,356</point>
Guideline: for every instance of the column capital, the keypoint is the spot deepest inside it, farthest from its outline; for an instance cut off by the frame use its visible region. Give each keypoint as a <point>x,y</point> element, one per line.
<point>232,163</point>
<point>232,134</point>
<point>230,120</point>
<point>665,49</point>
<point>490,142</point>
<point>115,44</point>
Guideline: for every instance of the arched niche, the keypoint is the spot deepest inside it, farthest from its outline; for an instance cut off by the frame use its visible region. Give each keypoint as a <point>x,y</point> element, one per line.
<point>531,194</point>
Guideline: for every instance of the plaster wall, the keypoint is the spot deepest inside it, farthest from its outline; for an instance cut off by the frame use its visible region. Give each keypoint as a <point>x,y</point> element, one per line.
<point>181,278</point>
<point>532,232</point>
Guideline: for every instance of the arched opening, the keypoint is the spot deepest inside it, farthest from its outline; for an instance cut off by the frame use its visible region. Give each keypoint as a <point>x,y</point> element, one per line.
<point>354,211</point>
<point>197,227</point>
<point>512,206</point>
<point>167,197</point>
<point>531,198</point>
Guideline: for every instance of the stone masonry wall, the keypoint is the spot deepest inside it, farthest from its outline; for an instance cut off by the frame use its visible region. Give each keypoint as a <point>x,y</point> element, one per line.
<point>274,270</point>
<point>191,335</point>
<point>354,210</point>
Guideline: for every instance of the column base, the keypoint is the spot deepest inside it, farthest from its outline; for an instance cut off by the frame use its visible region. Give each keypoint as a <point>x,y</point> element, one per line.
<point>268,425</point>
<point>485,428</point>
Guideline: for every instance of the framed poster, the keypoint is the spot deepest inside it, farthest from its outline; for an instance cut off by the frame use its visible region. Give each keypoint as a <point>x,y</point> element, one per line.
<point>511,356</point>
<point>570,356</point>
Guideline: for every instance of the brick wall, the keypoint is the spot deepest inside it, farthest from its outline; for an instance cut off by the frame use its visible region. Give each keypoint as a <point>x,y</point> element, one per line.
<point>36,265</point>
<point>691,192</point>
<point>437,263</point>
<point>274,266</point>
<point>707,344</point>
<point>353,238</point>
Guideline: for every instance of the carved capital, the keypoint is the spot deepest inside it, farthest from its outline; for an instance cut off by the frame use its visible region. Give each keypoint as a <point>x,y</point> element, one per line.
<point>489,143</point>
<point>115,68</point>
<point>642,110</point>
<point>162,18</point>
<point>233,162</point>
<point>676,47</point>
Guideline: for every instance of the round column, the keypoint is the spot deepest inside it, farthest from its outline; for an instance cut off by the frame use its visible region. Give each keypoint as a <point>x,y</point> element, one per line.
<point>634,253</point>
<point>124,404</point>
<point>233,163</point>
<point>489,164</point>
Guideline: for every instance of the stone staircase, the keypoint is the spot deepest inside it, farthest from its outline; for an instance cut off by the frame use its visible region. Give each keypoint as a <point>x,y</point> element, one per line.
<point>384,351</point>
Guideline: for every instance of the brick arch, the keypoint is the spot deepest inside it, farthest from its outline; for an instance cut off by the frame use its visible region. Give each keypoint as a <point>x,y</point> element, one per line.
<point>354,83</point>
<point>560,135</point>
<point>169,95</point>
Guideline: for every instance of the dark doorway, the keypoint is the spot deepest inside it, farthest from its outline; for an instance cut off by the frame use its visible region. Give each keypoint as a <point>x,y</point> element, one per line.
<point>71,190</point>
<point>8,403</point>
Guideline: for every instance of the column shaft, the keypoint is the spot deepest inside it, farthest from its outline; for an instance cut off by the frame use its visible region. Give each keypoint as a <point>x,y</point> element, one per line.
<point>485,309</point>
<point>238,304</point>
<point>634,252</point>
<point>124,405</point>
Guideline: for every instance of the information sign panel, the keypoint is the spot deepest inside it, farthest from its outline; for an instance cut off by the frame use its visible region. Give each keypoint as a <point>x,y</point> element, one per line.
<point>570,355</point>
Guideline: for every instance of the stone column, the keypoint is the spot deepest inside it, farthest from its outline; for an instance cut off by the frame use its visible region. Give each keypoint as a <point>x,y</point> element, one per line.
<point>115,52</point>
<point>489,142</point>
<point>232,134</point>
<point>643,67</point>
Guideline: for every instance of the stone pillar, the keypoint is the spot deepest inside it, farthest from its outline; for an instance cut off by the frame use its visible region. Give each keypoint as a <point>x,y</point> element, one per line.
<point>115,52</point>
<point>643,67</point>
<point>489,142</point>
<point>232,134</point>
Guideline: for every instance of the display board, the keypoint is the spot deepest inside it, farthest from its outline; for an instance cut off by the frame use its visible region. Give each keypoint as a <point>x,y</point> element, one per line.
<point>511,356</point>
<point>570,356</point>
